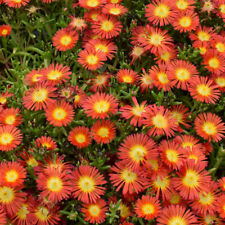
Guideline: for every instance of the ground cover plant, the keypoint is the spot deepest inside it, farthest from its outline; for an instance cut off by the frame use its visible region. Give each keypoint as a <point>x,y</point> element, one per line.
<point>112,112</point>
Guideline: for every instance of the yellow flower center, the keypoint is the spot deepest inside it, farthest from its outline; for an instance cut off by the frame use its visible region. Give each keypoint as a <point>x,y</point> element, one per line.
<point>17,1</point>
<point>92,3</point>
<point>160,121</point>
<point>203,36</point>
<point>138,110</point>
<point>209,128</point>
<point>4,31</point>
<point>202,50</point>
<point>175,199</point>
<point>115,11</point>
<point>59,114</point>
<point>185,21</point>
<point>3,100</point>
<point>78,22</point>
<point>147,80</point>
<point>11,176</point>
<point>128,176</point>
<point>214,63</point>
<point>103,132</point>
<point>220,81</point>
<point>46,145</point>
<point>65,40</point>
<point>86,184</point>
<point>107,25</point>
<point>23,211</point>
<point>193,157</point>
<point>54,75</point>
<point>177,116</point>
<point>92,59</point>
<point>35,77</point>
<point>124,210</point>
<point>182,74</point>
<point>220,47</point>
<point>187,144</point>
<point>114,1</point>
<point>161,11</point>
<point>101,47</point>
<point>137,51</point>
<point>191,179</point>
<point>80,138</point>
<point>206,198</point>
<point>40,95</point>
<point>127,79</point>
<point>203,90</point>
<point>156,39</point>
<point>100,79</point>
<point>154,164</point>
<point>161,182</point>
<point>101,106</point>
<point>163,78</point>
<point>222,8</point>
<point>42,213</point>
<point>137,153</point>
<point>176,220</point>
<point>6,138</point>
<point>32,162</point>
<point>165,56</point>
<point>76,98</point>
<point>148,209</point>
<point>7,195</point>
<point>94,210</point>
<point>10,120</point>
<point>182,4</point>
<point>54,184</point>
<point>172,155</point>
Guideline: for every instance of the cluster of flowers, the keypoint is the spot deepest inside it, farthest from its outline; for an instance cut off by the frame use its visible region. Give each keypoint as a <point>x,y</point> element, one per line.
<point>163,179</point>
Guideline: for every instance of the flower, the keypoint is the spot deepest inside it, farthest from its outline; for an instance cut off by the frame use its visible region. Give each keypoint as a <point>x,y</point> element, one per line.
<point>220,206</point>
<point>91,4</point>
<point>100,105</point>
<point>103,131</point>
<point>65,39</point>
<point>3,217</point>
<point>45,142</point>
<point>12,174</point>
<point>147,207</point>
<point>145,81</point>
<point>114,9</point>
<point>10,138</point>
<point>16,3</point>
<point>127,76</point>
<point>80,137</point>
<point>33,77</point>
<point>10,117</point>
<point>59,113</point>
<point>77,23</point>
<point>100,82</point>
<point>86,184</point>
<point>95,212</point>
<point>5,30</point>
<point>184,5</point>
<point>210,127</point>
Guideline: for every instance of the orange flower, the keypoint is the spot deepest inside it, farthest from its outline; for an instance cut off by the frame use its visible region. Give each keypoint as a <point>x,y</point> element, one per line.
<point>38,97</point>
<point>184,5</point>
<point>77,23</point>
<point>59,113</point>
<point>99,82</point>
<point>45,142</point>
<point>90,59</point>
<point>114,9</point>
<point>65,39</point>
<point>12,174</point>
<point>91,4</point>
<point>107,27</point>
<point>33,77</point>
<point>147,207</point>
<point>10,117</point>
<point>79,96</point>
<point>80,137</point>
<point>86,183</point>
<point>16,3</point>
<point>103,131</point>
<point>100,105</point>
<point>218,43</point>
<point>127,76</point>
<point>5,30</point>
<point>10,138</point>
<point>136,53</point>
<point>95,212</point>
<point>145,81</point>
<point>160,12</point>
<point>3,217</point>
<point>167,55</point>
<point>210,127</point>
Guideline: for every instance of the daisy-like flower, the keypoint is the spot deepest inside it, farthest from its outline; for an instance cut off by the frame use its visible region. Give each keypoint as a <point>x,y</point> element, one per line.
<point>28,160</point>
<point>127,76</point>
<point>65,39</point>
<point>91,59</point>
<point>147,207</point>
<point>136,53</point>
<point>171,154</point>
<point>186,21</point>
<point>167,55</point>
<point>184,5</point>
<point>114,1</point>
<point>181,73</point>
<point>59,113</point>
<point>176,214</point>
<point>5,30</point>
<point>107,27</point>
<point>188,142</point>
<point>3,217</point>
<point>79,97</point>
<point>145,81</point>
<point>135,148</point>
<point>214,62</point>
<point>114,9</point>
<point>100,105</point>
<point>10,138</point>
<point>99,82</point>
<point>192,179</point>
<point>220,6</point>
<point>160,12</point>
<point>12,174</point>
<point>125,211</point>
<point>38,97</point>
<point>210,127</point>
<point>80,137</point>
<point>91,4</point>
<point>33,77</point>
<point>45,142</point>
<point>4,97</point>
<point>103,131</point>
<point>16,3</point>
<point>10,116</point>
<point>95,212</point>
<point>135,113</point>
<point>160,121</point>
<point>204,90</point>
<point>219,80</point>
<point>77,23</point>
<point>128,179</point>
<point>86,184</point>
<point>221,183</point>
<point>91,16</point>
<point>11,199</point>
<point>105,46</point>
<point>155,40</point>
<point>54,184</point>
<point>220,206</point>
<point>159,76</point>
<point>56,74</point>
<point>218,43</point>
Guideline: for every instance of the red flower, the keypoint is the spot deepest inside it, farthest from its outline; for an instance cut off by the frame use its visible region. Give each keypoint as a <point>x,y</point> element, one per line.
<point>45,142</point>
<point>33,77</point>
<point>5,30</point>
<point>77,23</point>
<point>3,217</point>
<point>91,4</point>
<point>10,117</point>
<point>114,9</point>
<point>127,76</point>
<point>16,3</point>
